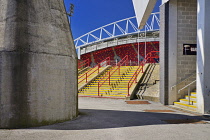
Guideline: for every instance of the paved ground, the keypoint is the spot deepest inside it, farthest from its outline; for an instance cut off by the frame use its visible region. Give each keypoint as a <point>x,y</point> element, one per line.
<point>112,119</point>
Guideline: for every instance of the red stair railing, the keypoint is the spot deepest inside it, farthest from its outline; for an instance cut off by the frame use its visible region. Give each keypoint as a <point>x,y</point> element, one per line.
<point>105,62</point>
<point>124,61</point>
<point>83,64</point>
<point>149,59</point>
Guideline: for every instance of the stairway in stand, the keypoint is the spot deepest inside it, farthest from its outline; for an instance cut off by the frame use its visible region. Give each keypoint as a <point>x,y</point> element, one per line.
<point>116,88</point>
<point>83,70</point>
<point>120,87</point>
<point>91,74</point>
<point>186,104</point>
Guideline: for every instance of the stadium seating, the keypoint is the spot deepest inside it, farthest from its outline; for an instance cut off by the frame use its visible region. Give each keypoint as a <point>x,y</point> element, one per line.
<point>122,50</point>
<point>127,49</point>
<point>103,54</point>
<point>86,56</point>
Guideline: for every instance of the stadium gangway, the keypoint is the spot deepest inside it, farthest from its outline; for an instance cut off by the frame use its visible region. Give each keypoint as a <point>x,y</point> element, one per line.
<point>124,61</point>
<point>150,58</point>
<point>105,62</point>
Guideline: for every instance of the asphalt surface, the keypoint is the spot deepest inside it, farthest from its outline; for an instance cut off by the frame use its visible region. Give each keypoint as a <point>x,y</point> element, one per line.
<point>114,119</point>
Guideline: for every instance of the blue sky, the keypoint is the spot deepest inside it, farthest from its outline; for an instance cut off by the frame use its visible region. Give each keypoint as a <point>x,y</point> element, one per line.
<point>91,14</point>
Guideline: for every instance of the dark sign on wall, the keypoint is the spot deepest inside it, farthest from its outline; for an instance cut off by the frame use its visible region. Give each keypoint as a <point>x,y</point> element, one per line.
<point>189,49</point>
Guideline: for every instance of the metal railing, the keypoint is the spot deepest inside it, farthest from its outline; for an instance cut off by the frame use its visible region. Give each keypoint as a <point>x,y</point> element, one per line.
<point>150,58</point>
<point>189,90</point>
<point>134,77</point>
<point>107,76</point>
<point>194,73</point>
<point>84,64</point>
<point>105,62</point>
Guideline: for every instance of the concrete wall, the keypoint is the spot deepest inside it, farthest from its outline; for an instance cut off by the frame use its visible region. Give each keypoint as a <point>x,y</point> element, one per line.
<point>203,63</point>
<point>181,28</point>
<point>187,33</point>
<point>38,64</point>
<point>164,17</point>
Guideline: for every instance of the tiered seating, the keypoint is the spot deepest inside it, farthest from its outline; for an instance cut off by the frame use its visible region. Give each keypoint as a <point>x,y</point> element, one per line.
<point>150,46</point>
<point>127,49</point>
<point>86,56</point>
<point>141,48</point>
<point>102,54</point>
<point>123,50</point>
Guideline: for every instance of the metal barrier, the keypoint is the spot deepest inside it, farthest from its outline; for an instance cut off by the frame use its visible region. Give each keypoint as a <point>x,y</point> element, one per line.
<point>124,61</point>
<point>105,62</point>
<point>150,58</point>
<point>189,91</point>
<point>84,64</point>
<point>134,77</point>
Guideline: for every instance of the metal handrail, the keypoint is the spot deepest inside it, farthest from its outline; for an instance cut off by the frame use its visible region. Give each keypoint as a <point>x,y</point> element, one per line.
<point>148,57</point>
<point>86,75</point>
<point>100,83</point>
<point>134,77</point>
<point>188,90</point>
<point>85,63</point>
<point>186,86</point>
<point>183,81</point>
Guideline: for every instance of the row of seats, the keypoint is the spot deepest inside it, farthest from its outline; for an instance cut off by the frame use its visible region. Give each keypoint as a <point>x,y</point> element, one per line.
<point>100,55</point>
<point>122,50</point>
<point>127,49</point>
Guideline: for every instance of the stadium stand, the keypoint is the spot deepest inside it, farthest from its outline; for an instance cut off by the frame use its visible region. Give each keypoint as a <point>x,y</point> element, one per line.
<point>86,56</point>
<point>102,54</point>
<point>127,49</point>
<point>122,51</point>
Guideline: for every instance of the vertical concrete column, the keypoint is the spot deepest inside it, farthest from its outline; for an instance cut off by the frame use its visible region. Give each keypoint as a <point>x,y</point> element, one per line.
<point>164,17</point>
<point>38,64</point>
<point>172,51</point>
<point>168,52</point>
<point>203,57</point>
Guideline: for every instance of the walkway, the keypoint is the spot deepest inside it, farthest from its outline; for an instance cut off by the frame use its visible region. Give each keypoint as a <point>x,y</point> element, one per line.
<point>113,119</point>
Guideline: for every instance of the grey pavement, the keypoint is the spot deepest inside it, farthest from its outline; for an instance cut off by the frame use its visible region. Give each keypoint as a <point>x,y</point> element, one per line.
<point>113,119</point>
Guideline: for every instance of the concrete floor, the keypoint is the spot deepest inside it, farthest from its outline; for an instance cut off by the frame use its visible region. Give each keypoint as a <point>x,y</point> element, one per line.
<point>113,119</point>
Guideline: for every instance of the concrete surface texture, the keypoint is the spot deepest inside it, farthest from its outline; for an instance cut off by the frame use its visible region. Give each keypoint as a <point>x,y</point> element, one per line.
<point>178,20</point>
<point>150,86</point>
<point>105,119</point>
<point>38,64</point>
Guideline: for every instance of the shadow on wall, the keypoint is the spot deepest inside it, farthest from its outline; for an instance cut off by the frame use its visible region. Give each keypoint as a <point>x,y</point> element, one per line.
<point>101,119</point>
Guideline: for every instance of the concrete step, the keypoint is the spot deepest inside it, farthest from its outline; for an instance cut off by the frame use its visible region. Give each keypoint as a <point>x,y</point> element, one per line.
<point>185,101</point>
<point>192,98</point>
<point>105,90</point>
<point>193,94</point>
<point>103,95</point>
<point>121,90</point>
<point>185,106</point>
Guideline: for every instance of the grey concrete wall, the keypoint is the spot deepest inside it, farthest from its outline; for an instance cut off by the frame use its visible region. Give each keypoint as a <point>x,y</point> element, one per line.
<point>187,33</point>
<point>38,64</point>
<point>172,51</point>
<point>182,23</point>
<point>203,63</point>
<point>164,17</point>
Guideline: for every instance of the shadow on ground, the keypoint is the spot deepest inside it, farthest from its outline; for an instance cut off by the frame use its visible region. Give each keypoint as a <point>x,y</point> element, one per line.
<point>102,119</point>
